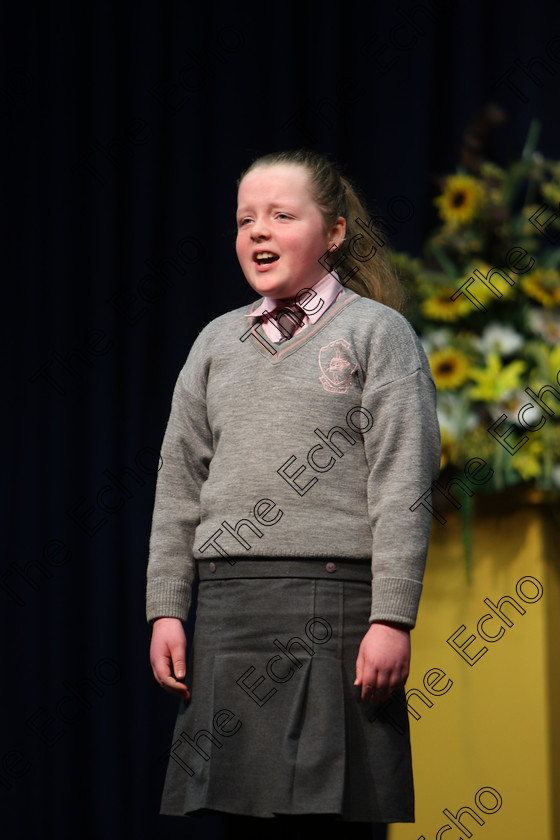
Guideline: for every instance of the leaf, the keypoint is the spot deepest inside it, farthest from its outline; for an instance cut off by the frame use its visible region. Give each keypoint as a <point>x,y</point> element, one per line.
<point>444,261</point>
<point>532,139</point>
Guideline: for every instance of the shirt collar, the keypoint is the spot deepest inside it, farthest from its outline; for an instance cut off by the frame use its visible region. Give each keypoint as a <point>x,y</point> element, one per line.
<point>327,289</point>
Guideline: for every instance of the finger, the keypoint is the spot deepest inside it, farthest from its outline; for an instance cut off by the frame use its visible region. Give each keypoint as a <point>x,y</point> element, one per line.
<point>173,686</point>
<point>368,692</point>
<point>358,680</point>
<point>160,669</point>
<point>161,666</point>
<point>369,680</point>
<point>179,666</point>
<point>380,694</point>
<point>162,673</point>
<point>385,688</point>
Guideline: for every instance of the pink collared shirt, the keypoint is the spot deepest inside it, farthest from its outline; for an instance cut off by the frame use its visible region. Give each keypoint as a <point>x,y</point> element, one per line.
<point>327,290</point>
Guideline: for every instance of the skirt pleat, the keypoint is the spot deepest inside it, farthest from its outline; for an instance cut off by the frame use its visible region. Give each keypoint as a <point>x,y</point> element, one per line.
<point>274,724</point>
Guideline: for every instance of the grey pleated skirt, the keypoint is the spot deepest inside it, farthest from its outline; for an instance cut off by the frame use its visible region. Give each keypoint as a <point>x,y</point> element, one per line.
<point>274,724</point>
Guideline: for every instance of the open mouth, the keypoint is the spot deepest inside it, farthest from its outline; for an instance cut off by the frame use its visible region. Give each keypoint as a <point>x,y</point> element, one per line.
<point>265,258</point>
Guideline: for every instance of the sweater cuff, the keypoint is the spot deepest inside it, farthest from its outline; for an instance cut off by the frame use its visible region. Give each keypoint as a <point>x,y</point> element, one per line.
<point>168,598</point>
<point>395,599</point>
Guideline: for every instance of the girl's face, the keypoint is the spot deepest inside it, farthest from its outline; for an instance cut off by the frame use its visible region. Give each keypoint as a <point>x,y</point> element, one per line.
<point>280,231</point>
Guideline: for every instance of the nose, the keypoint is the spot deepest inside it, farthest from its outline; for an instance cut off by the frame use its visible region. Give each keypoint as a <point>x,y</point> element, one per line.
<point>259,229</point>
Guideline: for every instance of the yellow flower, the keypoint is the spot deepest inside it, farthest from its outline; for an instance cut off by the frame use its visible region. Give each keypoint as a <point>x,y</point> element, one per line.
<point>496,381</point>
<point>548,359</point>
<point>554,362</point>
<point>551,193</point>
<point>440,307</point>
<point>481,291</point>
<point>527,460</point>
<point>450,368</point>
<point>492,172</point>
<point>405,264</point>
<point>526,227</point>
<point>460,201</point>
<point>543,285</point>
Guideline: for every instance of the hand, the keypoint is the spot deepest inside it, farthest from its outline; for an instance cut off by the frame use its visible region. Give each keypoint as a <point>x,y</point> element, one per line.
<point>383,661</point>
<point>168,655</point>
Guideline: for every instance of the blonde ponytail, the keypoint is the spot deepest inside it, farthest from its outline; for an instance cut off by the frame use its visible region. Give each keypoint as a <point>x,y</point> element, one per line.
<point>376,277</point>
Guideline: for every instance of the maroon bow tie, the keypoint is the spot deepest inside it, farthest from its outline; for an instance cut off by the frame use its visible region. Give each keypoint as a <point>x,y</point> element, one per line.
<point>287,319</point>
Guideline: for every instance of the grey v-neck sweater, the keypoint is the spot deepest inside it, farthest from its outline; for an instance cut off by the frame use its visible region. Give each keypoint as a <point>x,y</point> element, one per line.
<point>314,448</point>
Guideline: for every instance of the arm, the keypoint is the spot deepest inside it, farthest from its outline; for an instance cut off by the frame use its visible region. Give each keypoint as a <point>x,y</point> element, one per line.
<point>403,453</point>
<point>186,454</point>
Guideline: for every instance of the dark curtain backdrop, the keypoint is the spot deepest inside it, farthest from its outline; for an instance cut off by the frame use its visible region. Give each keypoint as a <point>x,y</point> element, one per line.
<point>125,126</point>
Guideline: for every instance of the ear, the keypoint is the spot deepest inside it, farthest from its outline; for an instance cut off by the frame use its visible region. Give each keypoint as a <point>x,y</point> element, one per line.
<point>337,232</point>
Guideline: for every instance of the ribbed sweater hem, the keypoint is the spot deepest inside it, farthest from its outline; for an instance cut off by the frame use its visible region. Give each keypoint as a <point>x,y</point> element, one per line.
<point>168,598</point>
<point>395,599</point>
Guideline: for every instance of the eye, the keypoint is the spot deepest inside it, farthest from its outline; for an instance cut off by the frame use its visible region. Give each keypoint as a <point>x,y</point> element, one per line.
<point>243,222</point>
<point>283,216</point>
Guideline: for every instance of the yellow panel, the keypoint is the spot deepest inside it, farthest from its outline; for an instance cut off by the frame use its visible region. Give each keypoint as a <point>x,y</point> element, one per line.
<point>491,742</point>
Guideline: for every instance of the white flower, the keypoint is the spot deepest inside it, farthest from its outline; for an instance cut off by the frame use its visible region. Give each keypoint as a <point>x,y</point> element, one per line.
<point>452,417</point>
<point>436,340</point>
<point>512,407</point>
<point>498,339</point>
<point>546,324</point>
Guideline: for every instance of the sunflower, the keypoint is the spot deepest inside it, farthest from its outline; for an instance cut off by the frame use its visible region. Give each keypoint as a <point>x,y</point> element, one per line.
<point>450,368</point>
<point>440,307</point>
<point>479,288</point>
<point>543,285</point>
<point>460,201</point>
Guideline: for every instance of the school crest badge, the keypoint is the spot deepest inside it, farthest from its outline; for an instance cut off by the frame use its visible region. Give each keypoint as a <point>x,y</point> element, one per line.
<point>337,364</point>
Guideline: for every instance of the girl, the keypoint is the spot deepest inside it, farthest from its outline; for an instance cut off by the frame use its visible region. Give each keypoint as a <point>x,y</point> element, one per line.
<point>302,429</point>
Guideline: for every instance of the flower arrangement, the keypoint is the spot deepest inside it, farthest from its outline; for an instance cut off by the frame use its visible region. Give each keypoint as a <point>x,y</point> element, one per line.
<point>489,341</point>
